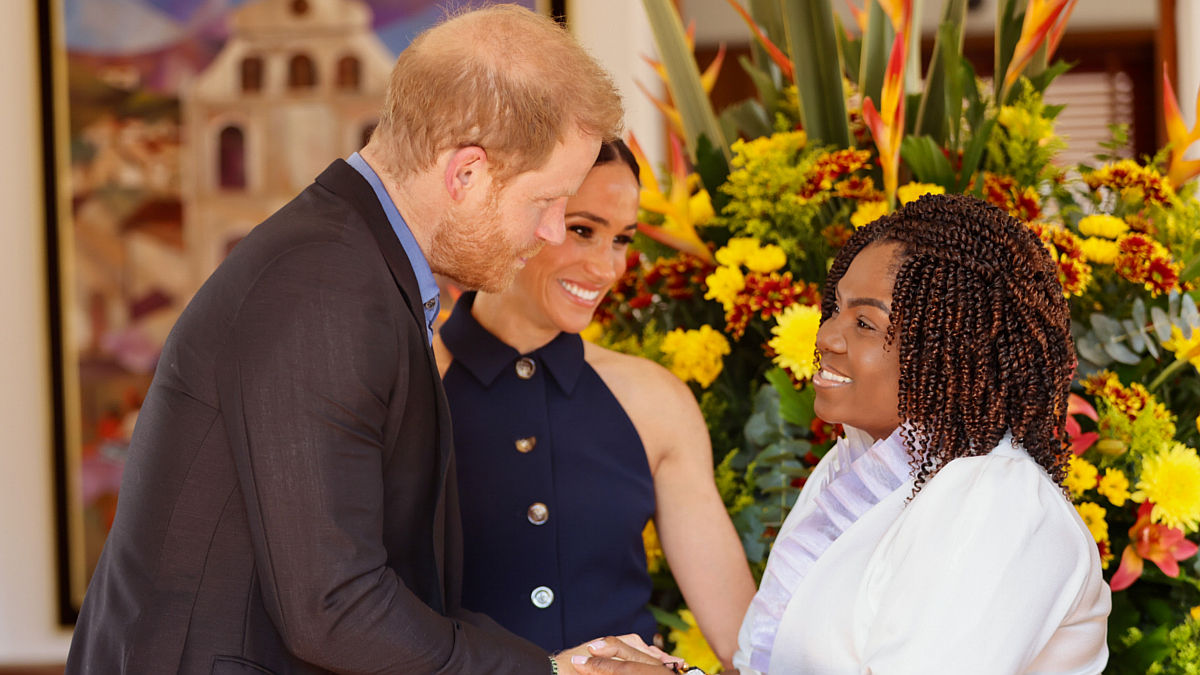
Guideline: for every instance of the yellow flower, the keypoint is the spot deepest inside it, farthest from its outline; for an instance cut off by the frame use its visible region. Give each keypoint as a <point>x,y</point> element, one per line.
<point>1102,225</point>
<point>1081,476</point>
<point>593,332</point>
<point>1024,123</point>
<point>734,253</point>
<point>1115,486</point>
<point>1100,251</point>
<point>1093,516</point>
<point>654,551</point>
<point>766,259</point>
<point>691,646</point>
<point>1195,613</point>
<point>724,284</point>
<point>867,212</point>
<point>911,191</point>
<point>696,354</point>
<point>795,340</point>
<point>1185,350</point>
<point>1170,479</point>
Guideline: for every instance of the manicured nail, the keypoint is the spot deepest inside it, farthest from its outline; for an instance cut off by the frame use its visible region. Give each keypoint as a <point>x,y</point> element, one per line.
<point>598,644</point>
<point>578,659</point>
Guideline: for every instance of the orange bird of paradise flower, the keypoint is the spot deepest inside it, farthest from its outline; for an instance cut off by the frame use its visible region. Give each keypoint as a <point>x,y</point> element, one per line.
<point>1162,545</point>
<point>682,210</point>
<point>708,79</point>
<point>887,124</point>
<point>887,127</point>
<point>1044,20</point>
<point>776,54</point>
<point>1179,170</point>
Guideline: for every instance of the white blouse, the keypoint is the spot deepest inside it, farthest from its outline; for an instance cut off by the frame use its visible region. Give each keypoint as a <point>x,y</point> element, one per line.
<point>989,569</point>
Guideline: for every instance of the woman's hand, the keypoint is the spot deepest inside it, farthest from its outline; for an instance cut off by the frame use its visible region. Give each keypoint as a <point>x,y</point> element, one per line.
<point>624,649</point>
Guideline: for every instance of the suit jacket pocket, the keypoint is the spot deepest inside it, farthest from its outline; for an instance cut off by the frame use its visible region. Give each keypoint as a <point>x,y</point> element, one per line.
<point>233,665</point>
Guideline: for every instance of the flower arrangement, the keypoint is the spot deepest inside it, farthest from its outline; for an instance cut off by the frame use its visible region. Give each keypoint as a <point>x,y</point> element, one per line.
<point>724,289</point>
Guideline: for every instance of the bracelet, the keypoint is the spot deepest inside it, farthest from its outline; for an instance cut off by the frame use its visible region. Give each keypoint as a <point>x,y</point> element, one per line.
<point>553,666</point>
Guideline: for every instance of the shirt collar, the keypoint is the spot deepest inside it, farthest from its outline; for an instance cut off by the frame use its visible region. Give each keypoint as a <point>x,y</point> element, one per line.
<point>426,284</point>
<point>486,357</point>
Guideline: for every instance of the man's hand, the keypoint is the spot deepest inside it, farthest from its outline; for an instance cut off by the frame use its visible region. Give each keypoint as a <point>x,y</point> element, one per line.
<point>625,649</point>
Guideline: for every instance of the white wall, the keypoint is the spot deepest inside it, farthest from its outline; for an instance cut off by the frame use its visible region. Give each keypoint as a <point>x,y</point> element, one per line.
<point>29,631</point>
<point>618,34</point>
<point>1187,28</point>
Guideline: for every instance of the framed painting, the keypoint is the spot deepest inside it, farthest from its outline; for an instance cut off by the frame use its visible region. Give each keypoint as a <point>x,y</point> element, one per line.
<point>173,127</point>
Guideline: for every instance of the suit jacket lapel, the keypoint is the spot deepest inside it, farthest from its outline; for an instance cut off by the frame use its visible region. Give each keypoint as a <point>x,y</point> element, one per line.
<point>343,180</point>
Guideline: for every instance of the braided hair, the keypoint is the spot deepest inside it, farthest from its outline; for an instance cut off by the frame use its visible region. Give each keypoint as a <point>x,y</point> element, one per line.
<point>984,332</point>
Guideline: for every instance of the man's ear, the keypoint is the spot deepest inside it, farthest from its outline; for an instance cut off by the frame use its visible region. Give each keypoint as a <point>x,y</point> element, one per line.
<point>466,170</point>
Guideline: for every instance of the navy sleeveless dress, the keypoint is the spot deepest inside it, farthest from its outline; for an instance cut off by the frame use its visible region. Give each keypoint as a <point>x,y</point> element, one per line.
<point>554,486</point>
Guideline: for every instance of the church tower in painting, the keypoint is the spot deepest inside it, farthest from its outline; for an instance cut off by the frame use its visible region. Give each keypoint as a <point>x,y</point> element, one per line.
<point>298,84</point>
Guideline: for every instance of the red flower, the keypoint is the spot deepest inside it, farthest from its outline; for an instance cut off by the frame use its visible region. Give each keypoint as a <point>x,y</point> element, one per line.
<point>1080,442</point>
<point>1162,545</point>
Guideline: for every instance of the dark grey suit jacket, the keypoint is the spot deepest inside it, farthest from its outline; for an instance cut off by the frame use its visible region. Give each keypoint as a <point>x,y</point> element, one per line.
<point>289,501</point>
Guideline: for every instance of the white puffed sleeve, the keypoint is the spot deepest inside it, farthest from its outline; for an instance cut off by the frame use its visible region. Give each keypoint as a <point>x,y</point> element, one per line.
<point>988,570</point>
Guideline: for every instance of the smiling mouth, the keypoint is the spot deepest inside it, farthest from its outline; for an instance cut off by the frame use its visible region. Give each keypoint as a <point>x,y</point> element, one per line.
<point>828,377</point>
<point>579,292</point>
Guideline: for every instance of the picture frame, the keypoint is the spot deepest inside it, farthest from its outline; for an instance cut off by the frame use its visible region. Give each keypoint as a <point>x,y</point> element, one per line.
<point>172,127</point>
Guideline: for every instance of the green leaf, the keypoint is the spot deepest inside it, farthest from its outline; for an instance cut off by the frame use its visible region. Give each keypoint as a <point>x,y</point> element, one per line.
<point>1008,31</point>
<point>876,47</point>
<point>972,157</point>
<point>768,88</point>
<point>1090,349</point>
<point>794,469</point>
<point>775,452</point>
<point>928,163</point>
<point>783,450</point>
<point>1044,78</point>
<point>795,405</point>
<point>813,49</point>
<point>850,49</point>
<point>947,50</point>
<point>758,431</point>
<point>766,13</point>
<point>683,77</point>
<point>955,73</point>
<point>749,118</point>
<point>668,619</point>
<point>774,482</point>
<point>713,170</point>
<point>750,525</point>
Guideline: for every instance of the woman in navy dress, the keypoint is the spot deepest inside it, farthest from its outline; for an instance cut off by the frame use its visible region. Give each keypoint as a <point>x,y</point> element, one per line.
<point>565,449</point>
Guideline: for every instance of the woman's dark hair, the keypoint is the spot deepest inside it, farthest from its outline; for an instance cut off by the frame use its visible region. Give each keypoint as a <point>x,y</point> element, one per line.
<point>983,328</point>
<point>617,151</point>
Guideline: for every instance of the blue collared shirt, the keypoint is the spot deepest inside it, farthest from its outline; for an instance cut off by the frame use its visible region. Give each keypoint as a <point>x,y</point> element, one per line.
<point>428,287</point>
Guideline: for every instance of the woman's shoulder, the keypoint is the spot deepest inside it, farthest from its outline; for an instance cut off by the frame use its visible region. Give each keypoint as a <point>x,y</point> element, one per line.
<point>635,376</point>
<point>1005,485</point>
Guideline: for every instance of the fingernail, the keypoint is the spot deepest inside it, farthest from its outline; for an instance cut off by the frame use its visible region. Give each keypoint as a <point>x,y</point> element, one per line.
<point>598,644</point>
<point>578,659</point>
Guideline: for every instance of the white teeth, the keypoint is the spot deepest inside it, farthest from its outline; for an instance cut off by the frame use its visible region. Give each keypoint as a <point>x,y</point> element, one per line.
<point>834,377</point>
<point>578,292</point>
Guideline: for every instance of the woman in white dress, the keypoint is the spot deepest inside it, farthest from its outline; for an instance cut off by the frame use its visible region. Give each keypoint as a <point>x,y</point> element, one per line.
<point>935,537</point>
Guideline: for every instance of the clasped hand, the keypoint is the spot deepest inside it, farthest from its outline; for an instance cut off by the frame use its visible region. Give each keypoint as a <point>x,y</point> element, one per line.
<point>600,656</point>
